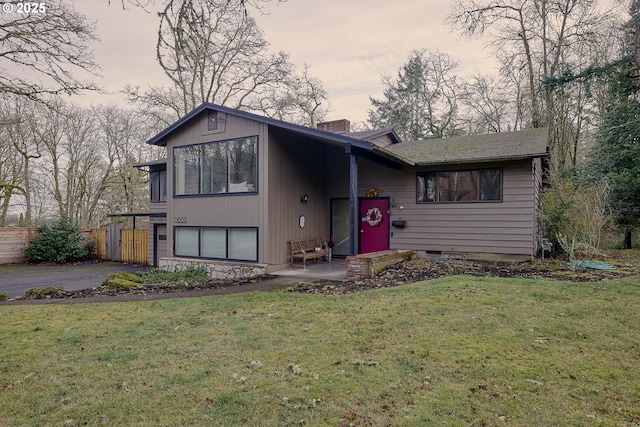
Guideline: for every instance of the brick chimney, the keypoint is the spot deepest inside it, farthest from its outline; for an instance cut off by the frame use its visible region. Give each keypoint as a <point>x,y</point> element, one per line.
<point>336,126</point>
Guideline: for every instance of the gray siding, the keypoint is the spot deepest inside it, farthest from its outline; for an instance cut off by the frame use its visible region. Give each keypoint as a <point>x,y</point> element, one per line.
<point>296,167</point>
<point>235,210</point>
<point>158,207</point>
<point>506,227</point>
<point>290,165</point>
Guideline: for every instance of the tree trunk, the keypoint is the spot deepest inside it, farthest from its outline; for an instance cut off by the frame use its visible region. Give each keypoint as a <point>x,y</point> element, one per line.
<point>6,201</point>
<point>626,242</point>
<point>27,193</point>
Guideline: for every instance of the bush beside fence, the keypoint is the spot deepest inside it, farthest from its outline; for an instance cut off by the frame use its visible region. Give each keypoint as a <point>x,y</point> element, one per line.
<point>13,240</point>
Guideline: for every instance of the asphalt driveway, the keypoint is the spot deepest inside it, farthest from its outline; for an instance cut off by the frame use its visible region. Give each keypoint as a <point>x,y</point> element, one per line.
<point>16,279</point>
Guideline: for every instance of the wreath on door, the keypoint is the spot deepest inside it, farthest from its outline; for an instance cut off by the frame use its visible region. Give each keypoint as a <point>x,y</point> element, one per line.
<point>374,217</point>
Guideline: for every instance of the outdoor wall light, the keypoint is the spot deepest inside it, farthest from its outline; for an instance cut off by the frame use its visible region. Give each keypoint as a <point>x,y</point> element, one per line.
<point>304,198</point>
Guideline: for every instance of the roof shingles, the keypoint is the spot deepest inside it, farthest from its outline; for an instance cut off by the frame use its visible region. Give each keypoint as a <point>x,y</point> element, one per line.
<point>475,148</point>
<point>464,149</point>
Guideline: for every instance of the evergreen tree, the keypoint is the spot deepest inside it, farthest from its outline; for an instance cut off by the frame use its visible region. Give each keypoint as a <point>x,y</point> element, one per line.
<point>616,155</point>
<point>421,102</point>
<point>615,158</point>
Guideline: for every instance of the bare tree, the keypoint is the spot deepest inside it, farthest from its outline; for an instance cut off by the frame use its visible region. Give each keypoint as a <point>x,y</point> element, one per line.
<point>539,31</point>
<point>300,99</point>
<point>86,170</point>
<point>57,159</point>
<point>129,148</point>
<point>213,51</point>
<point>25,144</point>
<point>70,156</point>
<point>122,135</point>
<point>10,168</point>
<point>159,104</point>
<point>147,5</point>
<point>541,37</point>
<point>488,105</point>
<point>45,51</point>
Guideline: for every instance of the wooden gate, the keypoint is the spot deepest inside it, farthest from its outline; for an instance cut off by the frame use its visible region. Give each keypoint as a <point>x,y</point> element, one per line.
<point>135,246</point>
<point>99,237</point>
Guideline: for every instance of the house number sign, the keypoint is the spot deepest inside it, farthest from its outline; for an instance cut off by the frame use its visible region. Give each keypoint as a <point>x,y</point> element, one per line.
<point>181,220</point>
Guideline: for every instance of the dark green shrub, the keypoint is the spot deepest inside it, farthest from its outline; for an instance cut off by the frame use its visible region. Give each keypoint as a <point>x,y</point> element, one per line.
<point>4,296</point>
<point>59,242</point>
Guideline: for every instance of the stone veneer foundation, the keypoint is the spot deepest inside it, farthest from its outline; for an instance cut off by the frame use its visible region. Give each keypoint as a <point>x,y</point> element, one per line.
<point>216,269</point>
<point>368,265</point>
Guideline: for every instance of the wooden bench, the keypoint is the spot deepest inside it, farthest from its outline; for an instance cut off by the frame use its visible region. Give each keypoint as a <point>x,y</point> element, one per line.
<point>305,249</point>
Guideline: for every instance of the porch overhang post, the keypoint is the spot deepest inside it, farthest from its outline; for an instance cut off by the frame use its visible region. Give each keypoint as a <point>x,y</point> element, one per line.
<point>353,201</point>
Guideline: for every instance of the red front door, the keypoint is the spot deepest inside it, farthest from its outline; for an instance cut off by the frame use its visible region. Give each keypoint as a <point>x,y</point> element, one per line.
<point>374,225</point>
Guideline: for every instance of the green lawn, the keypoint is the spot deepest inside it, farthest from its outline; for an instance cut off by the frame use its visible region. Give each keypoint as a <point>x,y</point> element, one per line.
<point>459,351</point>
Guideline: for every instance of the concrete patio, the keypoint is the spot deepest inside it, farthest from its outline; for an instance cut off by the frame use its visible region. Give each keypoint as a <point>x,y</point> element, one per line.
<point>334,270</point>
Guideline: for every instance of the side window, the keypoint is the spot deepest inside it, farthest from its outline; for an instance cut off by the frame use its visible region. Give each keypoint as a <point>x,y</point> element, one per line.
<point>158,185</point>
<point>459,186</point>
<point>212,120</point>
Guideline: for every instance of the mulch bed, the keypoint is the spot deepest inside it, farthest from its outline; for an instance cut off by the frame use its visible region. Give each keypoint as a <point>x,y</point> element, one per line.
<point>420,269</point>
<point>416,270</point>
<point>146,289</point>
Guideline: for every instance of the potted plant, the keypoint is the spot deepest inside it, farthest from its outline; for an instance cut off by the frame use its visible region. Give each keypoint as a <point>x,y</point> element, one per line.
<point>328,245</point>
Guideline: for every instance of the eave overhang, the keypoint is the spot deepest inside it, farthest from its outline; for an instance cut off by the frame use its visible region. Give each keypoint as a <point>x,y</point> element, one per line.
<point>482,160</point>
<point>153,164</point>
<point>161,138</point>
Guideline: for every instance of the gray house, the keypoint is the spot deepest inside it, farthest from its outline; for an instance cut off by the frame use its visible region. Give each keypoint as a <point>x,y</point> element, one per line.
<point>236,187</point>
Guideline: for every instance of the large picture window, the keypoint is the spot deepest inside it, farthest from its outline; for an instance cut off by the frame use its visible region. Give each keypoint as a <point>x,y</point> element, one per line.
<point>459,186</point>
<point>236,244</point>
<point>225,167</point>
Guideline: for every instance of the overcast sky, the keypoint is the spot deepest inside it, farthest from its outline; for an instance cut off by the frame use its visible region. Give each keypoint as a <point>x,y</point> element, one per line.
<point>348,45</point>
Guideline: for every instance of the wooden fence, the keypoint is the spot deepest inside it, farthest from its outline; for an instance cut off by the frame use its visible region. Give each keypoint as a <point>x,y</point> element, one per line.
<point>135,246</point>
<point>99,237</point>
<point>112,243</point>
<point>12,244</point>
